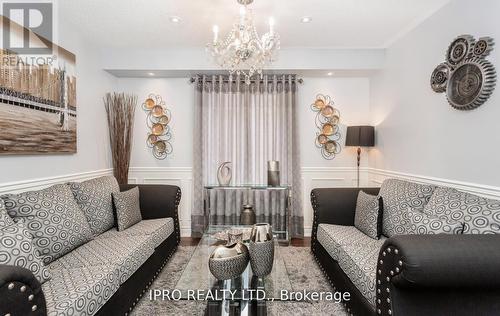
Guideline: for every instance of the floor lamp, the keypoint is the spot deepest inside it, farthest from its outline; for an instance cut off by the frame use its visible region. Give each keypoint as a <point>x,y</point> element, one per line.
<point>360,136</point>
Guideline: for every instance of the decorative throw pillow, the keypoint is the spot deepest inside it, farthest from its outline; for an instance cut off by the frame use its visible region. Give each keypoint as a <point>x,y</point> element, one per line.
<point>16,249</point>
<point>398,196</point>
<point>479,215</point>
<point>52,217</point>
<point>368,215</point>
<point>128,210</point>
<point>5,219</point>
<point>420,223</point>
<point>95,199</point>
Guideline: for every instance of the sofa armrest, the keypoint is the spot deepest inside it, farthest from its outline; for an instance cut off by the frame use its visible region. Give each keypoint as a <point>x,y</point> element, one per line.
<point>20,292</point>
<point>335,206</point>
<point>432,265</point>
<point>158,201</point>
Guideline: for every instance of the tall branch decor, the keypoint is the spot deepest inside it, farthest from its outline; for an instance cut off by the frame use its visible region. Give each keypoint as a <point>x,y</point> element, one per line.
<point>120,108</point>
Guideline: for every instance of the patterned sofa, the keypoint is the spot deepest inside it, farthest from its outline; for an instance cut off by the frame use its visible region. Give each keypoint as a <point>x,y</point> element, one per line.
<point>449,265</point>
<point>110,270</point>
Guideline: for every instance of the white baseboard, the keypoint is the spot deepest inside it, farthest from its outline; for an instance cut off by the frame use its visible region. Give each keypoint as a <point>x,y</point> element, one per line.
<point>307,231</point>
<point>41,183</point>
<point>186,232</point>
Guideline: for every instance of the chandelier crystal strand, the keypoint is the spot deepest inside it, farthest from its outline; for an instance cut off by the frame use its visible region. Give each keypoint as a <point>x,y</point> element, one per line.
<point>242,51</point>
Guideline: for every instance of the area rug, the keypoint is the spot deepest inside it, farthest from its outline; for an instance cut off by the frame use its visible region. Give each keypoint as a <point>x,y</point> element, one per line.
<point>303,272</point>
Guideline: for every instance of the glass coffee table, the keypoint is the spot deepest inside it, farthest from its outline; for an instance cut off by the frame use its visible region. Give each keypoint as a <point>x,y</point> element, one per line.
<point>244,295</point>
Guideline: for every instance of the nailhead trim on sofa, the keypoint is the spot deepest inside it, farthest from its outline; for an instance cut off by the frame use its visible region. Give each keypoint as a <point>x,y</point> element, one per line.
<point>31,299</point>
<point>177,231</point>
<point>315,205</point>
<point>344,303</point>
<point>390,264</point>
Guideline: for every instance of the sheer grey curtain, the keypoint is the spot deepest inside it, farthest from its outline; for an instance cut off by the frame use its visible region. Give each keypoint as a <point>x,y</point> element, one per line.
<point>246,125</point>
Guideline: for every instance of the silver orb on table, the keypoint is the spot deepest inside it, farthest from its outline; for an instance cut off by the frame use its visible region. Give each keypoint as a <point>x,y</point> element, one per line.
<point>228,262</point>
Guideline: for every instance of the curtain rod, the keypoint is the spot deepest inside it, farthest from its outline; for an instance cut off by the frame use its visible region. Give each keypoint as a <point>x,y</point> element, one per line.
<point>226,79</point>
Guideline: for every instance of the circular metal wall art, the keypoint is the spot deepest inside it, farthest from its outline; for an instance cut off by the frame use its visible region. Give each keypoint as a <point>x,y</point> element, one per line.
<point>322,139</point>
<point>471,84</point>
<point>327,120</point>
<point>158,117</point>
<point>467,78</point>
<point>439,77</point>
<point>149,103</point>
<point>331,147</point>
<point>483,47</point>
<point>459,49</point>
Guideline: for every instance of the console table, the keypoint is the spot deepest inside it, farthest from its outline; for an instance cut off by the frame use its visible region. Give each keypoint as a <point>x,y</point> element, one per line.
<point>223,205</point>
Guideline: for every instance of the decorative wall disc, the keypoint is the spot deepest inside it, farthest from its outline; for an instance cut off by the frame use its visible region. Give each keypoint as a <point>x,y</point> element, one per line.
<point>331,147</point>
<point>439,77</point>
<point>328,129</point>
<point>319,104</point>
<point>459,49</point>
<point>322,139</point>
<point>483,47</point>
<point>158,117</point>
<point>471,84</point>
<point>327,120</point>
<point>149,103</point>
<point>467,77</point>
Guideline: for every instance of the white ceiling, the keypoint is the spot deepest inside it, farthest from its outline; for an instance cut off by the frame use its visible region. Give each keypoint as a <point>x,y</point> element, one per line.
<point>336,23</point>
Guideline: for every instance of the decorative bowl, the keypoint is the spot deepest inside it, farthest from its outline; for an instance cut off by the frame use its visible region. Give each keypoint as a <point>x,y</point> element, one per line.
<point>228,262</point>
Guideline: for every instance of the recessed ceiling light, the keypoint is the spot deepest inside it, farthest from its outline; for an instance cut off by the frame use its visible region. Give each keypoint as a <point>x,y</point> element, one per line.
<point>175,19</point>
<point>151,73</point>
<point>306,19</point>
<point>330,74</point>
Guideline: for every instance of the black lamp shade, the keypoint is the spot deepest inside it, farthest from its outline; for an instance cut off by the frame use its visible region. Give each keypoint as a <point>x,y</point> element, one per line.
<point>361,136</point>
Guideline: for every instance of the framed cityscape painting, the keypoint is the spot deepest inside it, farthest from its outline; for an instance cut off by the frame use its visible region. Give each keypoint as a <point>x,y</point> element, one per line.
<point>38,111</point>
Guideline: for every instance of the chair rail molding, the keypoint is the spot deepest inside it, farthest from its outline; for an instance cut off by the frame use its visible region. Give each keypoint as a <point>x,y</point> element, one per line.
<point>41,183</point>
<point>311,177</point>
<point>377,176</point>
<point>179,176</point>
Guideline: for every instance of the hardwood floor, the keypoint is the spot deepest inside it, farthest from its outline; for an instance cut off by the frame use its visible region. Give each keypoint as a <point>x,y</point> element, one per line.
<point>301,242</point>
<point>189,241</point>
<point>296,242</point>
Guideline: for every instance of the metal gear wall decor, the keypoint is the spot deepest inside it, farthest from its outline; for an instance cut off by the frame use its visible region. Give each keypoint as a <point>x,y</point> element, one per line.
<point>460,49</point>
<point>327,121</point>
<point>158,118</point>
<point>467,78</point>
<point>440,77</point>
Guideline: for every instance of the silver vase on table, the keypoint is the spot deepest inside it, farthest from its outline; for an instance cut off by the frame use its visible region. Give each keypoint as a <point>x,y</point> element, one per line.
<point>261,249</point>
<point>273,173</point>
<point>247,216</point>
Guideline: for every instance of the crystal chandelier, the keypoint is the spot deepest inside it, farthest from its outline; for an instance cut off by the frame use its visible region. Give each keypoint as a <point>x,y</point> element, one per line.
<point>242,51</point>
